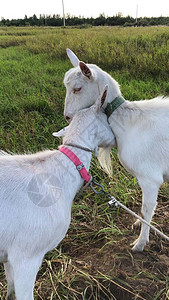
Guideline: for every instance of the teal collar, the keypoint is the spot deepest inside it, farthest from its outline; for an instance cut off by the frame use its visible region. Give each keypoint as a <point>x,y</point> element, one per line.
<point>112,106</point>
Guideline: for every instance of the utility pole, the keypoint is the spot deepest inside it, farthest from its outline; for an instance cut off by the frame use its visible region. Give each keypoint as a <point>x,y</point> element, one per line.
<point>63,14</point>
<point>136,14</point>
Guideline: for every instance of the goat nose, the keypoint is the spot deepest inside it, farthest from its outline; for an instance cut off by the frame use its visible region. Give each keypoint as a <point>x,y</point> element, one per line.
<point>68,119</point>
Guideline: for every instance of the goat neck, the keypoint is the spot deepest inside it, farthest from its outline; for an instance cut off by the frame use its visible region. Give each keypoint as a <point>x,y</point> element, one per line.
<point>114,88</point>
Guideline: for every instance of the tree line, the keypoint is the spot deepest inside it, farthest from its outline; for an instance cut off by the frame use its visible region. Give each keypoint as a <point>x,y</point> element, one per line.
<point>102,20</point>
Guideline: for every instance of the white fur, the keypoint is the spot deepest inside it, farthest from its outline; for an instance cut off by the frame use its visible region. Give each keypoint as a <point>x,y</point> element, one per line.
<point>36,194</point>
<point>141,129</point>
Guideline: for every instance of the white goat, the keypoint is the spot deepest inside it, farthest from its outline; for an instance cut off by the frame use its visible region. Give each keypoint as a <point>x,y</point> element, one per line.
<point>36,194</point>
<point>141,129</point>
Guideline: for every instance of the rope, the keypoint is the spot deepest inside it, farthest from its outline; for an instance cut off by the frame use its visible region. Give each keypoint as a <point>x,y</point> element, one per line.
<point>114,202</point>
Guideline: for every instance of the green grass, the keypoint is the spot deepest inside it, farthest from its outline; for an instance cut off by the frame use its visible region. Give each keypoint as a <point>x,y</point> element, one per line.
<point>94,261</point>
<point>31,94</point>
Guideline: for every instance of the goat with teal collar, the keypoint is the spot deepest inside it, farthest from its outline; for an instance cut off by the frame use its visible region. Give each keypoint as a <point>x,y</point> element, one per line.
<point>140,131</point>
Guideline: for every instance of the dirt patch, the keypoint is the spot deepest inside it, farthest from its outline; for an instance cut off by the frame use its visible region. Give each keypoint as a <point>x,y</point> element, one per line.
<point>128,275</point>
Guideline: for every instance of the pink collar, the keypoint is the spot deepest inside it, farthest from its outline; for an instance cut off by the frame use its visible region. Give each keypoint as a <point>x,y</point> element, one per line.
<point>79,165</point>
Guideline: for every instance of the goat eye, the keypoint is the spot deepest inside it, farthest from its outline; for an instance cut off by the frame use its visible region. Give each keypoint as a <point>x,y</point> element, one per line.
<point>76,90</point>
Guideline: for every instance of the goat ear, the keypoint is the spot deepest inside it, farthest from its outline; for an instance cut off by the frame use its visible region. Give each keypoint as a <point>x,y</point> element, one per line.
<point>101,99</point>
<point>73,58</point>
<point>104,95</point>
<point>85,69</point>
<point>61,132</point>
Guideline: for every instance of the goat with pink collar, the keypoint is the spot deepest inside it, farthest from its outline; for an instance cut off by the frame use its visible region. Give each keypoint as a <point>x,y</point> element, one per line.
<point>141,131</point>
<point>36,194</point>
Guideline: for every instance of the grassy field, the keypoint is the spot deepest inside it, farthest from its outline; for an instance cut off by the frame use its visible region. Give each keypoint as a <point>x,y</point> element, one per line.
<point>94,261</point>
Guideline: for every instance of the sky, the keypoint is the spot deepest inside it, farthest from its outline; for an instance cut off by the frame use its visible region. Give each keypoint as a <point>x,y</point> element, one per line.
<point>14,9</point>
